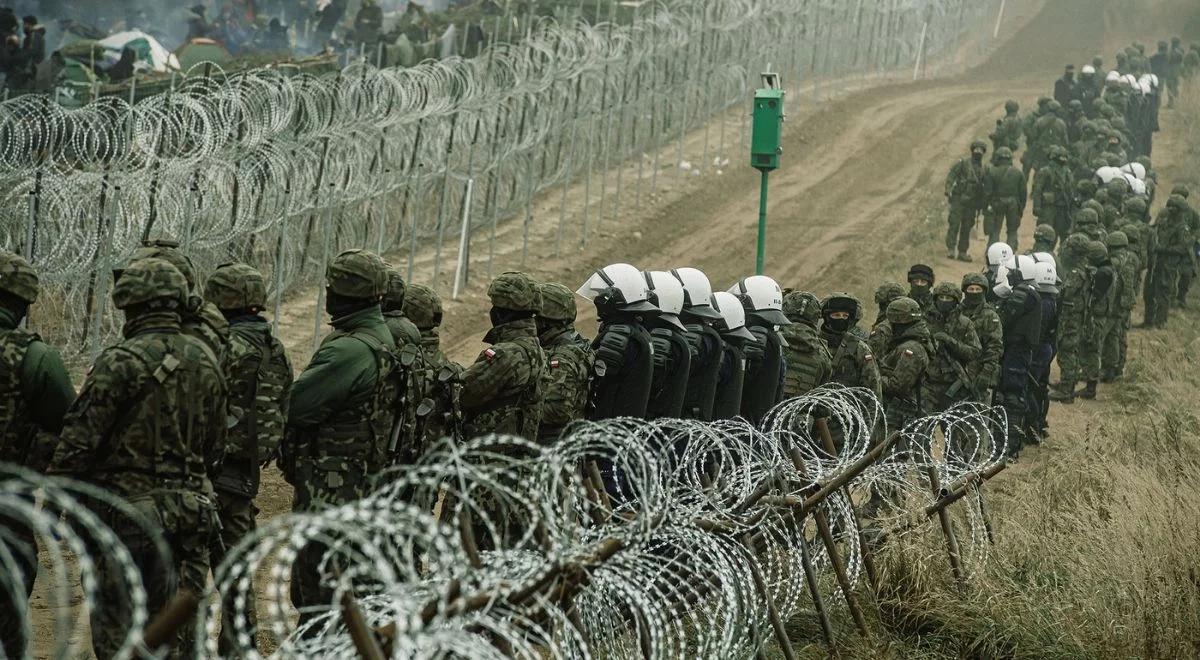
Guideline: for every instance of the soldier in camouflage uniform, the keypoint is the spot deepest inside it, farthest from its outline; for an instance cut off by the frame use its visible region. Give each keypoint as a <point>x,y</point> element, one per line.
<point>1004,190</point>
<point>416,374</point>
<point>36,393</point>
<point>342,410</point>
<point>880,336</point>
<point>984,371</point>
<point>964,190</point>
<point>956,346</point>
<point>854,362</point>
<point>1173,254</point>
<point>920,285</point>
<point>1115,334</point>
<point>1073,315</point>
<point>440,417</point>
<point>903,366</point>
<point>1102,304</point>
<point>1044,239</point>
<point>259,378</point>
<point>1087,223</point>
<point>1188,274</point>
<point>1053,187</point>
<point>200,319</point>
<point>808,362</point>
<point>149,426</point>
<point>569,361</point>
<point>1033,156</point>
<point>1008,129</point>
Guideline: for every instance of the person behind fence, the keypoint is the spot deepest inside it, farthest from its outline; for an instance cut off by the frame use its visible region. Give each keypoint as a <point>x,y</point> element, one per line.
<point>737,342</point>
<point>440,415</point>
<point>956,345</point>
<point>699,318</point>
<point>569,362</point>
<point>405,446</point>
<point>341,412</point>
<point>853,362</point>
<point>1004,189</point>
<point>201,319</point>
<point>624,369</point>
<point>672,347</point>
<point>762,300</point>
<point>259,377</point>
<point>149,426</point>
<point>902,368</point>
<point>983,373</point>
<point>35,393</point>
<point>808,364</point>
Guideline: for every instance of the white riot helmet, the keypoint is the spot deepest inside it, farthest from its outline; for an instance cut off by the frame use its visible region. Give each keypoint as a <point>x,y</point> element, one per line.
<point>1112,76</point>
<point>733,316</point>
<point>762,297</point>
<point>697,293</point>
<point>1136,185</point>
<point>1000,254</point>
<point>1154,80</point>
<point>619,286</point>
<point>1088,69</point>
<point>1145,88</point>
<point>1136,169</point>
<point>667,294</point>
<point>1045,258</point>
<point>1025,266</point>
<point>1130,80</point>
<point>1045,277</point>
<point>1106,174</point>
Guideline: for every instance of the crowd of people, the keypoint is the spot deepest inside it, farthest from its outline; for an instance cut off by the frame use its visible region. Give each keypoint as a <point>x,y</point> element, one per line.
<point>180,417</point>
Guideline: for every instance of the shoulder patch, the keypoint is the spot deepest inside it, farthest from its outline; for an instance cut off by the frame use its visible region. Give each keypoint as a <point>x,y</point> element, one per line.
<point>868,357</point>
<point>489,354</point>
<point>908,351</point>
<point>554,363</point>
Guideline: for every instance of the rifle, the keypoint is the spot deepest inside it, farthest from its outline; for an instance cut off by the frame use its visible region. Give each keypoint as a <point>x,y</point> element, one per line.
<point>962,380</point>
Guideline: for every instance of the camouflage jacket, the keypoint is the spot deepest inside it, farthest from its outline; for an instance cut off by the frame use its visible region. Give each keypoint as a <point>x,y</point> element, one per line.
<point>501,390</point>
<point>806,358</point>
<point>35,393</point>
<point>853,361</point>
<point>955,346</point>
<point>1050,131</point>
<point>964,183</point>
<point>1104,297</point>
<point>984,370</point>
<point>880,338</point>
<point>419,377</point>
<point>342,409</point>
<point>1125,263</point>
<point>567,380</point>
<point>1172,234</point>
<point>1074,294</point>
<point>1008,133</point>
<point>151,414</point>
<point>1052,188</point>
<point>205,322</point>
<point>403,331</point>
<point>442,418</point>
<point>259,376</point>
<point>903,367</point>
<point>1005,182</point>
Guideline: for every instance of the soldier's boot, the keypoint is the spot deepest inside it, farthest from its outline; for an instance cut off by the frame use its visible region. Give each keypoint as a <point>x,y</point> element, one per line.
<point>963,256</point>
<point>1109,376</point>
<point>1088,392</point>
<point>1063,392</point>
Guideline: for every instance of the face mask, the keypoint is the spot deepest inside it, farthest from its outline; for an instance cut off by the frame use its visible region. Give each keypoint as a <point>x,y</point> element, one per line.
<point>972,299</point>
<point>838,326</point>
<point>898,329</point>
<point>945,306</point>
<point>915,291</point>
<point>976,156</point>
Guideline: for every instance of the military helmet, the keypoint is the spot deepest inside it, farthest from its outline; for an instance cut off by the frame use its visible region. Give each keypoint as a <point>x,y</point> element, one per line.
<point>1096,253</point>
<point>1086,216</point>
<point>423,307</point>
<point>977,279</point>
<point>168,250</point>
<point>1043,101</point>
<point>922,271</point>
<point>948,290</point>
<point>979,145</point>
<point>842,302</point>
<point>1045,234</point>
<point>393,300</point>
<point>17,277</point>
<point>888,291</point>
<point>802,307</point>
<point>515,291</point>
<point>1004,153</point>
<point>150,280</point>
<point>1075,104</point>
<point>1118,123</point>
<point>236,286</point>
<point>1181,190</point>
<point>359,274</point>
<point>1054,106</point>
<point>1077,243</point>
<point>1011,106</point>
<point>557,302</point>
<point>1117,239</point>
<point>1176,203</point>
<point>1135,206</point>
<point>903,310</point>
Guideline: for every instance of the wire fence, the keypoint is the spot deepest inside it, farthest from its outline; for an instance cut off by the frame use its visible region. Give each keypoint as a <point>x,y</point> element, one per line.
<point>628,538</point>
<point>284,171</point>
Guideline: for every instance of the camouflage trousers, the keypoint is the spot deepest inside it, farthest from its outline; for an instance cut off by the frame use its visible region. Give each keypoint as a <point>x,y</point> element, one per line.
<point>1090,348</point>
<point>1163,287</point>
<point>21,545</point>
<point>1070,339</point>
<point>321,483</point>
<point>1114,335</point>
<point>960,221</point>
<point>1004,213</point>
<point>1057,217</point>
<point>1186,276</point>
<point>187,521</point>
<point>237,514</point>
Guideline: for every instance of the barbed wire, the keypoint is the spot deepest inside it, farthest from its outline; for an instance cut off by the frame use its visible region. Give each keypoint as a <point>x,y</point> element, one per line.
<point>282,170</point>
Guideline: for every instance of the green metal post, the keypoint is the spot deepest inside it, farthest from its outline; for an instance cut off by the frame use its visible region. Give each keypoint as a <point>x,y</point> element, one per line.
<point>762,223</point>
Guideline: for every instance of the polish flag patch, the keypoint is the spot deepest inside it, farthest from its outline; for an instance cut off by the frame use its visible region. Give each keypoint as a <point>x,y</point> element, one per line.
<point>489,354</point>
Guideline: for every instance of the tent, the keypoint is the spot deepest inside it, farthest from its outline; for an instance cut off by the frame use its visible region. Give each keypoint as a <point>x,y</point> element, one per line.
<point>150,53</point>
<point>202,50</point>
